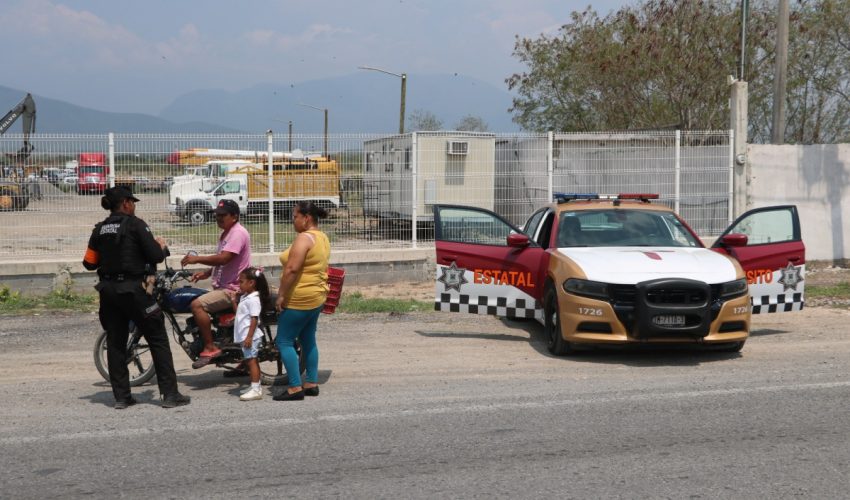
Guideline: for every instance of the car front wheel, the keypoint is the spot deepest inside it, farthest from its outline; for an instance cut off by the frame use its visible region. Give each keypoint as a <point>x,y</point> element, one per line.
<point>552,324</point>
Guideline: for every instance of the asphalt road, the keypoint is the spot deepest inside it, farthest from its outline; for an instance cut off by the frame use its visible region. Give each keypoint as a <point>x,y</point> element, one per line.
<point>441,405</point>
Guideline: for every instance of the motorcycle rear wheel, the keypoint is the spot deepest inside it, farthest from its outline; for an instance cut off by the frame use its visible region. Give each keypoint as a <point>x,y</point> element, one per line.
<point>139,363</point>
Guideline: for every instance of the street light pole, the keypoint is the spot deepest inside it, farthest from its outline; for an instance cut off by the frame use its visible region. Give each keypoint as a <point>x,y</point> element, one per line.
<point>325,110</point>
<point>290,131</point>
<point>403,77</point>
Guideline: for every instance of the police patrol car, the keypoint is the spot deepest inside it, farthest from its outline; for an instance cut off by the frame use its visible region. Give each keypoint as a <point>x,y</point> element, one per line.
<point>619,269</point>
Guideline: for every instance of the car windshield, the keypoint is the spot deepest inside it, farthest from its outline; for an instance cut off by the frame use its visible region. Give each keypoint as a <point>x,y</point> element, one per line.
<point>91,170</point>
<point>623,228</point>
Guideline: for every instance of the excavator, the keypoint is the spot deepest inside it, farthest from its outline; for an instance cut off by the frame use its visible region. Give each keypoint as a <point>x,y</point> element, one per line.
<point>14,193</point>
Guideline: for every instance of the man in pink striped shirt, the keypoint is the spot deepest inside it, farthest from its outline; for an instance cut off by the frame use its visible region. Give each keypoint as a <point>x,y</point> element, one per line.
<point>232,256</point>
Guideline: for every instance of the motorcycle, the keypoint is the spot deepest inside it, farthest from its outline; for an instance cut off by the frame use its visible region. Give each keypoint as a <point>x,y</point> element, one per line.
<point>180,324</point>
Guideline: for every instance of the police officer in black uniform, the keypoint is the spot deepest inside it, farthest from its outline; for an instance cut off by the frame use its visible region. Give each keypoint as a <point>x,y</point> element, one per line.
<point>123,250</point>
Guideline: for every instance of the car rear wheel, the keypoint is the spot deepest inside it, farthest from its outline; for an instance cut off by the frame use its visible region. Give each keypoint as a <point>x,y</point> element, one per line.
<point>552,324</point>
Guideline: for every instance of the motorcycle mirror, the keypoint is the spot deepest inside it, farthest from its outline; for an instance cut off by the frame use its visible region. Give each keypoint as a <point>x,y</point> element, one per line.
<point>190,252</point>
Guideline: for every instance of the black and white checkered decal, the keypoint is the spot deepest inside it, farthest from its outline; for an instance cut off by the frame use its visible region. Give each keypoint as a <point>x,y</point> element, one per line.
<point>456,290</point>
<point>781,290</point>
<point>777,303</point>
<point>496,306</point>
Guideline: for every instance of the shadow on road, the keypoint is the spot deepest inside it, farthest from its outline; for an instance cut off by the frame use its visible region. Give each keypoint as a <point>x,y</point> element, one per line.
<point>648,355</point>
<point>767,331</point>
<point>105,398</point>
<point>214,378</point>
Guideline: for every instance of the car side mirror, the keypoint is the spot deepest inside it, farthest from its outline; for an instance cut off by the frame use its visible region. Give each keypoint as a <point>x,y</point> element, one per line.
<point>517,240</point>
<point>734,240</point>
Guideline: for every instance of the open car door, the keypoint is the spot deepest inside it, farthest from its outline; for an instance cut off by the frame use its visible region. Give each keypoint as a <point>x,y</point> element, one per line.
<point>485,265</point>
<point>772,253</point>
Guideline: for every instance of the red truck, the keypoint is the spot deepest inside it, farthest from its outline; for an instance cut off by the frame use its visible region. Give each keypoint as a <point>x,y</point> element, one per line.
<point>91,173</point>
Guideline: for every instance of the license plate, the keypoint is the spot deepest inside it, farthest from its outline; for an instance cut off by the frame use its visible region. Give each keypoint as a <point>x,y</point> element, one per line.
<point>669,320</point>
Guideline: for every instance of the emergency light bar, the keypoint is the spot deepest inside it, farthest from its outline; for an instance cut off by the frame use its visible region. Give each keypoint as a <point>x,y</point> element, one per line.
<point>565,197</point>
<point>637,196</point>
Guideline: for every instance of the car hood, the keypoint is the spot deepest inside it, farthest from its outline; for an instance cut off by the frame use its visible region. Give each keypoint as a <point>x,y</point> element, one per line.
<point>630,265</point>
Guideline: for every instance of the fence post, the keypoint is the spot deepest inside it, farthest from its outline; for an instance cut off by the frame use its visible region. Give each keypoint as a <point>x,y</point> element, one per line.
<point>414,213</point>
<point>270,141</point>
<point>678,167</point>
<point>550,167</point>
<point>110,176</point>
<point>731,216</point>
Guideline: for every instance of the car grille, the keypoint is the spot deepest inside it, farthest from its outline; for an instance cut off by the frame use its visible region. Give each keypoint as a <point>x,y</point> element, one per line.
<point>676,296</point>
<point>623,298</point>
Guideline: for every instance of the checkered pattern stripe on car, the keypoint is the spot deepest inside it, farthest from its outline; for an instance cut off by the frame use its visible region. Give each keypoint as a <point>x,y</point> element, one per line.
<point>784,303</point>
<point>497,306</point>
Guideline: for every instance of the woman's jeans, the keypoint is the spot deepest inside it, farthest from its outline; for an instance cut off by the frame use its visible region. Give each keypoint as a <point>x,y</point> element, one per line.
<point>296,324</point>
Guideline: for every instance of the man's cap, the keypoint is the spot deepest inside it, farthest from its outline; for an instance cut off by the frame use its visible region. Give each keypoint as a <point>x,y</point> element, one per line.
<point>227,207</point>
<point>117,194</point>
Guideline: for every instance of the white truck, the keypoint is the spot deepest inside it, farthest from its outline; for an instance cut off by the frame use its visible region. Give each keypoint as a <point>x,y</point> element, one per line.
<point>199,179</point>
<point>303,177</point>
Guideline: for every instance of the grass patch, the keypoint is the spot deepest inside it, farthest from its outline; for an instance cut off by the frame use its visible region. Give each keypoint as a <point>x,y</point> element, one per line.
<point>840,290</point>
<point>356,303</point>
<point>12,302</point>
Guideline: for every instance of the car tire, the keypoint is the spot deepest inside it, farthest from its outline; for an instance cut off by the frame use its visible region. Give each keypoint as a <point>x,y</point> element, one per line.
<point>552,324</point>
<point>197,216</point>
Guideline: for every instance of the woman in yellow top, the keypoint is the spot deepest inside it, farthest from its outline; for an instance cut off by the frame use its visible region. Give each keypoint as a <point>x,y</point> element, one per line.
<point>302,293</point>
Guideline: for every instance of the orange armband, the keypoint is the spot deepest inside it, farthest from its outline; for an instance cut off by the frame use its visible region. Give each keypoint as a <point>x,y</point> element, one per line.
<point>91,257</point>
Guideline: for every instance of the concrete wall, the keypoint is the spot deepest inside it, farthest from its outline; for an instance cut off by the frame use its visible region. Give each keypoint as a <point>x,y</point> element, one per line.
<point>361,268</point>
<point>815,178</point>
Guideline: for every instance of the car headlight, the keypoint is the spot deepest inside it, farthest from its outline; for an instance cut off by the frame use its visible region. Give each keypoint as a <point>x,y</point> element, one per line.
<point>587,288</point>
<point>732,289</point>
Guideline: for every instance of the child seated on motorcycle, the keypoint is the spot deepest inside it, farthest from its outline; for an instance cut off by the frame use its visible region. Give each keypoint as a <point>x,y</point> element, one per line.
<point>254,300</point>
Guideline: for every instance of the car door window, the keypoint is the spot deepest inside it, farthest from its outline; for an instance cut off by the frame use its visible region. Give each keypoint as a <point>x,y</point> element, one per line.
<point>773,226</point>
<point>530,226</point>
<point>468,225</point>
<point>545,232</point>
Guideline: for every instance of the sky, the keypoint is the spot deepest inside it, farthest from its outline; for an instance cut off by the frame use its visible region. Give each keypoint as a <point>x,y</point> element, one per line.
<point>137,56</point>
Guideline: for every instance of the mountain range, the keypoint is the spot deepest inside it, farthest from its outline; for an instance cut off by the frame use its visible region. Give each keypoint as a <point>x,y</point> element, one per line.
<point>364,102</point>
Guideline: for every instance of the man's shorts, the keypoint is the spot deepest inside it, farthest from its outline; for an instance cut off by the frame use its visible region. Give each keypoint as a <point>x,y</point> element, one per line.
<point>252,352</point>
<point>215,301</point>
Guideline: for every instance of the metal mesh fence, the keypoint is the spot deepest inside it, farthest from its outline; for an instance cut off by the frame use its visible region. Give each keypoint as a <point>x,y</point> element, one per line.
<point>378,189</point>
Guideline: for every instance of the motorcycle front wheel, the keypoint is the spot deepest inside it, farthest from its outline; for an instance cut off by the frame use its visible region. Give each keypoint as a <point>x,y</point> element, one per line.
<point>139,359</point>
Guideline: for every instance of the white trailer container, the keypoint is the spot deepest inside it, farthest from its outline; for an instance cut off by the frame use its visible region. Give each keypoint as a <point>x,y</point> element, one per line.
<point>449,167</point>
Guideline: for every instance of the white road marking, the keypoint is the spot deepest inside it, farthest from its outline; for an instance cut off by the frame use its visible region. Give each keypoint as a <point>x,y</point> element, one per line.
<point>469,408</point>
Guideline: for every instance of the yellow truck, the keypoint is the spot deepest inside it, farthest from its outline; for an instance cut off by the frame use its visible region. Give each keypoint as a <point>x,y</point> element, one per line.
<point>294,177</point>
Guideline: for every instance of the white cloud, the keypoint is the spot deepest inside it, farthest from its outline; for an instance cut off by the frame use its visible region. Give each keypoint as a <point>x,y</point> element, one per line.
<point>282,42</point>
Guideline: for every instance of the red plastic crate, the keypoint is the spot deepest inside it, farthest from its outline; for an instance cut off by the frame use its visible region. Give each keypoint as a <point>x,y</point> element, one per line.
<point>336,277</point>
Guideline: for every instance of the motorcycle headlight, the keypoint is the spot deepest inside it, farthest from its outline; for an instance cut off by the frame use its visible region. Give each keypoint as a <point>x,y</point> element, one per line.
<point>587,288</point>
<point>732,289</point>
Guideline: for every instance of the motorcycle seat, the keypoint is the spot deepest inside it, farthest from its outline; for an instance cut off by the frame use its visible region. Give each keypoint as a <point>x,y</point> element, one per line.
<point>226,319</point>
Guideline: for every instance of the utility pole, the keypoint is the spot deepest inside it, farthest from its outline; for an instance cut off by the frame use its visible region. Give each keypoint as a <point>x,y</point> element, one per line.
<point>403,77</point>
<point>745,12</point>
<point>778,129</point>
<point>325,110</point>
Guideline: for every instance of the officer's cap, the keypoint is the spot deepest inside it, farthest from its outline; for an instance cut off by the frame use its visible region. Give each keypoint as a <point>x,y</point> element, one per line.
<point>117,194</point>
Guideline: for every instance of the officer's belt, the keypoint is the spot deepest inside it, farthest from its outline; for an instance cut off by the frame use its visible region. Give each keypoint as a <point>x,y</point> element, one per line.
<point>121,277</point>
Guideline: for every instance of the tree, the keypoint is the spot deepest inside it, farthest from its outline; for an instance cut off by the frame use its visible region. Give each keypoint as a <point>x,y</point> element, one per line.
<point>471,123</point>
<point>665,63</point>
<point>421,119</point>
